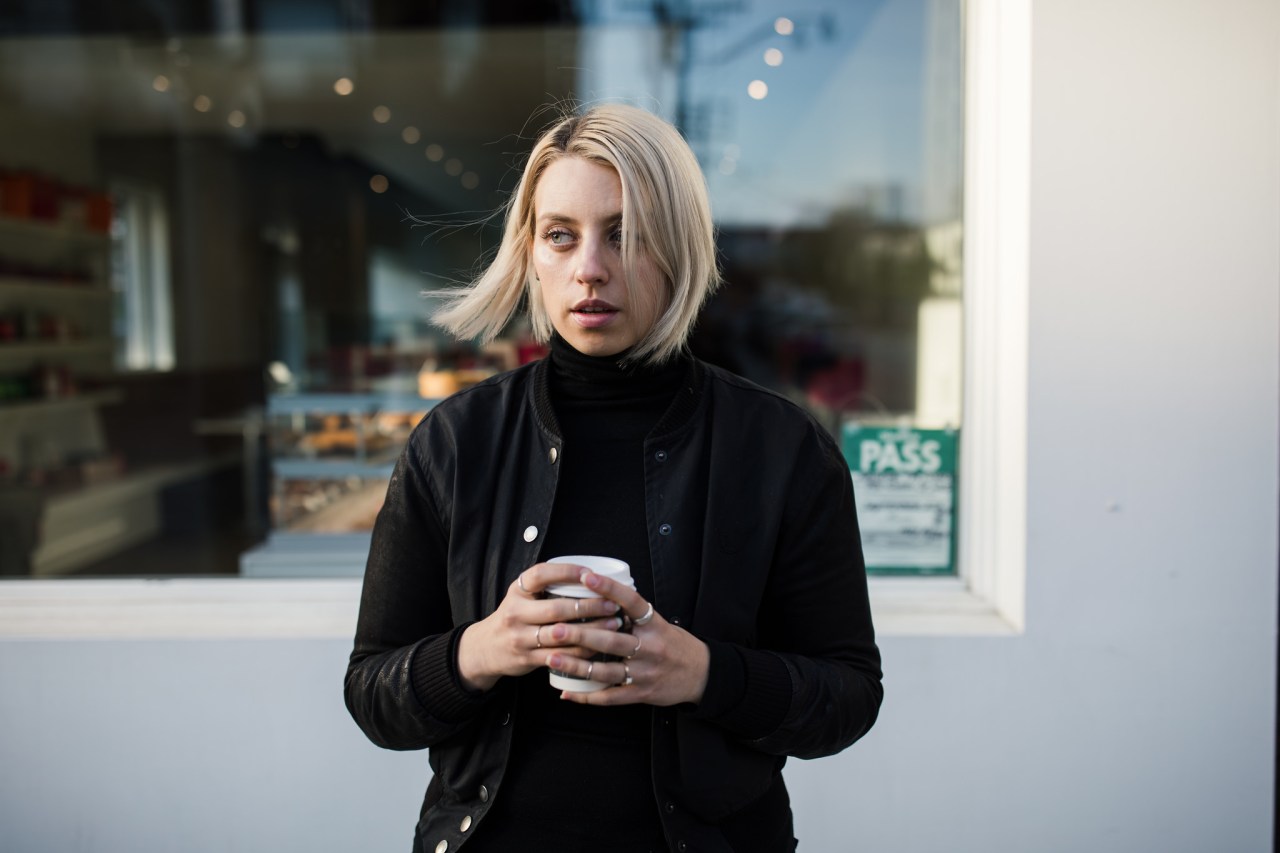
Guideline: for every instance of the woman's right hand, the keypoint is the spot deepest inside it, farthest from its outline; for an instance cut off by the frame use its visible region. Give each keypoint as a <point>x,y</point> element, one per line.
<point>514,639</point>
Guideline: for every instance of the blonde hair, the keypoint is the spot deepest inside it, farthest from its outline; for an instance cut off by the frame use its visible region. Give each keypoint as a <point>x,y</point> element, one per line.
<point>665,214</point>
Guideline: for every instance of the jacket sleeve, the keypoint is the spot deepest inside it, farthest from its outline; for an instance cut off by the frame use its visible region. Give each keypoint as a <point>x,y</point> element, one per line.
<point>402,685</point>
<point>811,683</point>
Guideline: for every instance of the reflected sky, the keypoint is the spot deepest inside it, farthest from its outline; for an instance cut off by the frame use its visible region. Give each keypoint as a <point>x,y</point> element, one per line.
<point>863,110</point>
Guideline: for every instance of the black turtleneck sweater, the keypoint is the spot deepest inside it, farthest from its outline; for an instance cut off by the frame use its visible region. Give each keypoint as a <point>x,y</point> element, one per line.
<point>578,773</point>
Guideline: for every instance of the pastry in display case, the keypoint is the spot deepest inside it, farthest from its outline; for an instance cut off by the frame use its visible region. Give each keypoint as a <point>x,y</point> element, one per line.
<point>331,458</point>
<point>332,455</point>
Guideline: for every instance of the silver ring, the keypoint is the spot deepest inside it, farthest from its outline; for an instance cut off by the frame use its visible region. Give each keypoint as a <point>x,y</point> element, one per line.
<point>636,650</point>
<point>646,618</point>
<point>591,665</point>
<point>520,583</point>
<point>537,637</point>
<point>627,680</point>
<point>576,602</point>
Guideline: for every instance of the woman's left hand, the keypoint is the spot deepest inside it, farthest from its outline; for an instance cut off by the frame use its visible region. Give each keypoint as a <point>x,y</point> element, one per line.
<point>661,663</point>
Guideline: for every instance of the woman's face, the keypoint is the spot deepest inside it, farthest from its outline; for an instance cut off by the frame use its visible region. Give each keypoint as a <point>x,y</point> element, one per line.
<point>577,256</point>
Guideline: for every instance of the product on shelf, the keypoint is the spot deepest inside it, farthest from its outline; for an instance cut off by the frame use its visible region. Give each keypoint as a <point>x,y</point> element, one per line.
<point>26,194</point>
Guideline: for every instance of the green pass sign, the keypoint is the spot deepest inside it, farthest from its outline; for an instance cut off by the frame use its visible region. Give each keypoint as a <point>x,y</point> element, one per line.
<point>904,483</point>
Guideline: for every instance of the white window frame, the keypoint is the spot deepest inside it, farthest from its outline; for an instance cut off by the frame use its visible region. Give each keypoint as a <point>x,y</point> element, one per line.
<point>987,598</point>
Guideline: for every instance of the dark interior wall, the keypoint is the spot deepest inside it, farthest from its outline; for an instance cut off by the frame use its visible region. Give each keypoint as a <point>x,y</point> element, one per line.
<point>216,283</point>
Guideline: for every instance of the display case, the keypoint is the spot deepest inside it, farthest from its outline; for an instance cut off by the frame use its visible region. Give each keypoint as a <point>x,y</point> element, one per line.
<point>331,456</point>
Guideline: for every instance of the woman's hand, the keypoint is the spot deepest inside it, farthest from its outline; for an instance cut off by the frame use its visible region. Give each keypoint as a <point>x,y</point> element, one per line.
<point>514,639</point>
<point>662,664</point>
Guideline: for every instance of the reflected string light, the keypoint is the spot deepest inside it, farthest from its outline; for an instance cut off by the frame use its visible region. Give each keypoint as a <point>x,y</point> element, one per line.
<point>758,89</point>
<point>235,118</point>
<point>784,26</point>
<point>161,83</point>
<point>435,153</point>
<point>732,151</point>
<point>728,166</point>
<point>344,86</point>
<point>470,180</point>
<point>202,103</point>
<point>410,135</point>
<point>773,57</point>
<point>381,114</point>
<point>379,183</point>
<point>453,167</point>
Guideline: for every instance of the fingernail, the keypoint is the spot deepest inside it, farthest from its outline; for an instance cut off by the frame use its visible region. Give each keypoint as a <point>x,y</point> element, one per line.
<point>590,580</point>
<point>554,661</point>
<point>617,623</point>
<point>611,607</point>
<point>559,632</point>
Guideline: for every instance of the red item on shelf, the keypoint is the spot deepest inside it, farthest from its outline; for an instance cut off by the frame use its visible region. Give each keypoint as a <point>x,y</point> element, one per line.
<point>44,198</point>
<point>98,210</point>
<point>18,193</point>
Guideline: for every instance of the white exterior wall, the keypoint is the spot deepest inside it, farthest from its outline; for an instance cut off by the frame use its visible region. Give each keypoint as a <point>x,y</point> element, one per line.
<point>1136,712</point>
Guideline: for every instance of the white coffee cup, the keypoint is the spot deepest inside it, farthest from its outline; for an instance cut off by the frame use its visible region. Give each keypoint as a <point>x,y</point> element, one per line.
<point>608,567</point>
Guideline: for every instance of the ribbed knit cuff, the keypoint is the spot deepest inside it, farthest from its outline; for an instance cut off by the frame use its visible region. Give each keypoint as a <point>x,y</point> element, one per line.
<point>748,691</point>
<point>436,682</point>
<point>726,680</point>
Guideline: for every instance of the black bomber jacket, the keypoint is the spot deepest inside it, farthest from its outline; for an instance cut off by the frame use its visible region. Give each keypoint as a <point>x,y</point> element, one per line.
<point>755,549</point>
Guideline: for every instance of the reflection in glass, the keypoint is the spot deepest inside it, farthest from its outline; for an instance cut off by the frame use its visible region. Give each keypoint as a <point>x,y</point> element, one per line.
<point>296,232</point>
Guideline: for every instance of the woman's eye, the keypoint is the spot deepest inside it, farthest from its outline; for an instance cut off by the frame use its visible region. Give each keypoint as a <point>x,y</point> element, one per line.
<point>616,238</point>
<point>556,237</point>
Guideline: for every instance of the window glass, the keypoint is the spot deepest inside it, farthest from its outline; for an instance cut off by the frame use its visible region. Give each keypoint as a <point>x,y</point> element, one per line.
<point>218,222</point>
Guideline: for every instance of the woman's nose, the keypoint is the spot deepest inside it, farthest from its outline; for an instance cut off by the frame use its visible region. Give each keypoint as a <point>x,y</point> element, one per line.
<point>593,262</point>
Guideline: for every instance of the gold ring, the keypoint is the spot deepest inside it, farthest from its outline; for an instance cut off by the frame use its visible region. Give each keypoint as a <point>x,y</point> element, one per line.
<point>576,602</point>
<point>537,636</point>
<point>627,680</point>
<point>647,617</point>
<point>636,650</point>
<point>591,665</point>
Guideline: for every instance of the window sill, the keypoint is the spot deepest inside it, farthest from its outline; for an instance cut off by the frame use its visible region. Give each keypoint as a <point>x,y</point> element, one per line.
<point>933,607</point>
<point>244,608</point>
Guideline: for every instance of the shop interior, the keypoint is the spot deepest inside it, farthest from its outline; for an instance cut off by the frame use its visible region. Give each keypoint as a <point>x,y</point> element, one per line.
<point>218,249</point>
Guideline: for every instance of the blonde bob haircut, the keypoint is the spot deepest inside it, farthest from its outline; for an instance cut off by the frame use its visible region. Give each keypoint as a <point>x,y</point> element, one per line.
<point>665,214</point>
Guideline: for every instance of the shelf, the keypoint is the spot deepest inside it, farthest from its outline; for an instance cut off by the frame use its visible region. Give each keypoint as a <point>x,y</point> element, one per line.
<point>40,229</point>
<point>54,348</point>
<point>308,555</point>
<point>91,398</point>
<point>27,287</point>
<point>322,469</point>
<point>301,404</point>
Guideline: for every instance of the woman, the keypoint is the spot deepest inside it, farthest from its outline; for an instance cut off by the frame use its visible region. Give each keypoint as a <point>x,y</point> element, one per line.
<point>748,635</point>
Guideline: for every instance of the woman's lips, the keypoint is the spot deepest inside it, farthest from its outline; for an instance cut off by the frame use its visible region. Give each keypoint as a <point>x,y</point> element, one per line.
<point>593,314</point>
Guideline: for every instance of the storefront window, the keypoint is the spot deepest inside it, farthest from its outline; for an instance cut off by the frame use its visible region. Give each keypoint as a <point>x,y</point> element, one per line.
<point>218,221</point>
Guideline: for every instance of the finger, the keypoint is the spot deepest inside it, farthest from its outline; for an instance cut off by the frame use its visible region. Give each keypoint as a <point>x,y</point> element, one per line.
<point>535,579</point>
<point>600,637</point>
<point>586,634</point>
<point>578,609</point>
<point>613,674</point>
<point>632,602</point>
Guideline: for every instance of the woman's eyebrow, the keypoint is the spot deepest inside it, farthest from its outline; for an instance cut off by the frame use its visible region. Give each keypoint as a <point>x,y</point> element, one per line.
<point>552,218</point>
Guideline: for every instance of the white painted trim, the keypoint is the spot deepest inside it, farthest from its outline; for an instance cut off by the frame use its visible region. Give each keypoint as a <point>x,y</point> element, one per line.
<point>241,608</point>
<point>993,445</point>
<point>988,599</point>
<point>201,608</point>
